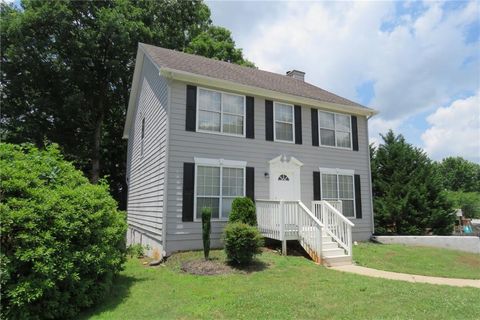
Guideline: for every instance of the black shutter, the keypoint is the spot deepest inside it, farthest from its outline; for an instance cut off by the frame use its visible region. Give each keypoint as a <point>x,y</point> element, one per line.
<point>250,183</point>
<point>358,198</point>
<point>314,127</point>
<point>269,120</point>
<point>188,193</point>
<point>317,191</point>
<point>250,122</point>
<point>354,133</point>
<point>191,112</point>
<point>298,125</point>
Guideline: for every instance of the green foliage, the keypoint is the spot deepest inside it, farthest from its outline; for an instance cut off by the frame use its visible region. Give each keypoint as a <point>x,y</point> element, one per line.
<point>62,238</point>
<point>206,230</point>
<point>67,68</point>
<point>242,242</point>
<point>243,210</point>
<point>459,174</point>
<point>216,42</point>
<point>469,202</point>
<point>137,250</point>
<point>407,190</point>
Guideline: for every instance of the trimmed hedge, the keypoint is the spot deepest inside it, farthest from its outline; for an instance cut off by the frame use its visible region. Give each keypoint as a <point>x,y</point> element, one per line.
<point>62,238</point>
<point>243,210</point>
<point>242,243</point>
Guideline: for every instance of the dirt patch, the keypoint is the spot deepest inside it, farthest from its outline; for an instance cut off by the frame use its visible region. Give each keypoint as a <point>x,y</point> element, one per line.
<point>471,261</point>
<point>206,267</point>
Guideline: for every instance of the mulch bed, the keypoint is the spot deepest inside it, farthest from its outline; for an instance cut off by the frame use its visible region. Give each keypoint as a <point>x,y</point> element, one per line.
<point>206,267</point>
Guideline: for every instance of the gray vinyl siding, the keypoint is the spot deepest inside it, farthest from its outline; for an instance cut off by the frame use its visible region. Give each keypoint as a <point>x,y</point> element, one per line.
<point>185,145</point>
<point>146,173</point>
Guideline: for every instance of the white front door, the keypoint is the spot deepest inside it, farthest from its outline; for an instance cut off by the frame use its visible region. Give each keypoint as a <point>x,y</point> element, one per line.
<point>285,179</point>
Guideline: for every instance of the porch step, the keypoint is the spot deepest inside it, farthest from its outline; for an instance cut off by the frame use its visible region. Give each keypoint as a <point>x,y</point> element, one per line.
<point>329,245</point>
<point>326,238</point>
<point>339,260</point>
<point>327,253</point>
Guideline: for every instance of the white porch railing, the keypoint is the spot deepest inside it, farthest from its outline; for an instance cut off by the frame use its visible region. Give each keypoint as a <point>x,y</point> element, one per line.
<point>290,220</point>
<point>336,225</point>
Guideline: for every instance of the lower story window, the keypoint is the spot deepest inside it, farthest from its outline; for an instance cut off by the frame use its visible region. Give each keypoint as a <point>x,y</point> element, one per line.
<point>216,187</point>
<point>338,186</point>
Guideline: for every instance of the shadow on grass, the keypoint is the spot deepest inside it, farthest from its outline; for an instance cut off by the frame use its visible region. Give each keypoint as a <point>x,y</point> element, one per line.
<point>255,266</point>
<point>119,292</point>
<point>293,248</point>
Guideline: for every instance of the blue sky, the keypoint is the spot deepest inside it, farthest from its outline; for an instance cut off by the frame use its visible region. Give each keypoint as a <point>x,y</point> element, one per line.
<point>418,63</point>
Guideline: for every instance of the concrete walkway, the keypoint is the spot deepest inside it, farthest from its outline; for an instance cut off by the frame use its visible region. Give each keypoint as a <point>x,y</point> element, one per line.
<point>407,277</point>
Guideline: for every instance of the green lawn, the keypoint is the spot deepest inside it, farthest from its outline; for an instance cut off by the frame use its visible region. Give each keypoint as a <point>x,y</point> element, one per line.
<point>287,288</point>
<point>418,260</point>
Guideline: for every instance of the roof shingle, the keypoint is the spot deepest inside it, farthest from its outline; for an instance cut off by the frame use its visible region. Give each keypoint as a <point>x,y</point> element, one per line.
<point>244,75</point>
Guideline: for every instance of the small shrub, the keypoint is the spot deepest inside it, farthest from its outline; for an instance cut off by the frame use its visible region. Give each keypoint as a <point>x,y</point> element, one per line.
<point>62,238</point>
<point>137,250</point>
<point>243,210</point>
<point>206,230</point>
<point>242,242</point>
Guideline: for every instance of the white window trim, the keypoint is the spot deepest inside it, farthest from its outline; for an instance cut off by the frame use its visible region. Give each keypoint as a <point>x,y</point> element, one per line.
<point>222,113</point>
<point>275,122</point>
<point>334,130</point>
<point>217,163</point>
<point>342,172</point>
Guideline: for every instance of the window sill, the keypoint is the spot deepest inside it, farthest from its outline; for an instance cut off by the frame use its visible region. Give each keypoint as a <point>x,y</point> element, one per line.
<point>336,148</point>
<point>221,133</point>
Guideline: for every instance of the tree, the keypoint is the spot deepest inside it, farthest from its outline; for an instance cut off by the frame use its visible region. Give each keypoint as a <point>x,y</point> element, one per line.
<point>407,190</point>
<point>67,68</point>
<point>216,42</point>
<point>460,175</point>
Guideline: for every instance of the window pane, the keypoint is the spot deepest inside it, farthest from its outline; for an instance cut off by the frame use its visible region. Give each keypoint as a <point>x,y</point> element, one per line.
<point>343,139</point>
<point>209,121</point>
<point>327,137</point>
<point>345,186</point>
<point>233,124</point>
<point>226,207</point>
<point>209,100</point>
<point>283,131</point>
<point>232,182</point>
<point>342,122</point>
<point>329,186</point>
<point>283,112</point>
<point>212,203</point>
<point>208,181</point>
<point>327,120</point>
<point>232,104</point>
<point>347,207</point>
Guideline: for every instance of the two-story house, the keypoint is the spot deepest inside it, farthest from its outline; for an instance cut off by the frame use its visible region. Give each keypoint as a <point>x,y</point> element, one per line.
<point>202,132</point>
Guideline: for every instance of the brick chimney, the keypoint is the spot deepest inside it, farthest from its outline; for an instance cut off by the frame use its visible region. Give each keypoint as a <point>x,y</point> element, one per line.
<point>295,74</point>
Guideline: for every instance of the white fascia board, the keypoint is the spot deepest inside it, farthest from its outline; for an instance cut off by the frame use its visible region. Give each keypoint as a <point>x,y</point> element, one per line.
<point>133,91</point>
<point>245,89</point>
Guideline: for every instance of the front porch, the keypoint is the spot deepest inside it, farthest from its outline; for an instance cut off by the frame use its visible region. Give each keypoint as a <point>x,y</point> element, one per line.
<point>323,231</point>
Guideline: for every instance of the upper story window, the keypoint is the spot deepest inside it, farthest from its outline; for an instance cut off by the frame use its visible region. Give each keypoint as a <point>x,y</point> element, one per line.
<point>142,137</point>
<point>220,112</point>
<point>335,130</point>
<point>284,122</point>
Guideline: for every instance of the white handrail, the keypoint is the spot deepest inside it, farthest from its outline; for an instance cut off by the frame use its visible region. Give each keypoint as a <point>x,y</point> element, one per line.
<point>336,224</point>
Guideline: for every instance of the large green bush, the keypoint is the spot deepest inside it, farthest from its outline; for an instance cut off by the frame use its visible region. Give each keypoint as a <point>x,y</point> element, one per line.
<point>242,242</point>
<point>62,238</point>
<point>243,210</point>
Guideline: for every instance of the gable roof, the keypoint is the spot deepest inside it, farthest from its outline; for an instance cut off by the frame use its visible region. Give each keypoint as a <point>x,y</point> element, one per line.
<point>243,75</point>
<point>204,71</point>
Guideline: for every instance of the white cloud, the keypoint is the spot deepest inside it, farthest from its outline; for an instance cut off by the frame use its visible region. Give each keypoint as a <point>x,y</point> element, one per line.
<point>455,130</point>
<point>415,65</point>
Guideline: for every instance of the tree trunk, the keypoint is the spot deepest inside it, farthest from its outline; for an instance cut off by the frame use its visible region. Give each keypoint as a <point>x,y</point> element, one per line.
<point>97,139</point>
